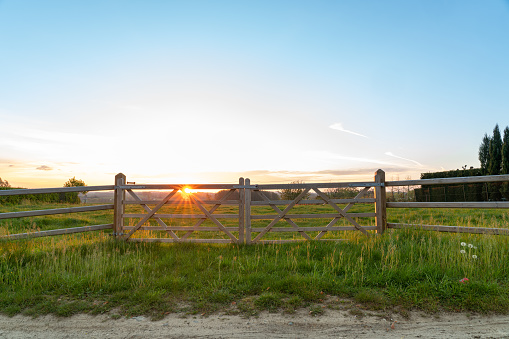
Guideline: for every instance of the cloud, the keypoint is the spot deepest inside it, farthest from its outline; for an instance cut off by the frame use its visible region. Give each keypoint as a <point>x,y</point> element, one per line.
<point>398,157</point>
<point>44,168</point>
<point>338,126</point>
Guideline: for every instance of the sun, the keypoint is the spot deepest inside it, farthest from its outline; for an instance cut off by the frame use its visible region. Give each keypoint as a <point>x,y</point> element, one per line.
<point>187,190</point>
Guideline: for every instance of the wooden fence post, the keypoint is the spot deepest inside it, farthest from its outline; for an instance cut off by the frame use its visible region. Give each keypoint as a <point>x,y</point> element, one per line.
<point>119,206</point>
<point>247,204</point>
<point>380,202</point>
<point>242,210</point>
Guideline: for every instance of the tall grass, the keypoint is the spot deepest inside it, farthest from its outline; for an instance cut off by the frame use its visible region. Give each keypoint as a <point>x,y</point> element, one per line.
<point>407,269</point>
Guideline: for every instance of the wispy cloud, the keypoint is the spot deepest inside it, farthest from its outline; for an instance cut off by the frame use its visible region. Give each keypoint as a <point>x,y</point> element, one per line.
<point>398,157</point>
<point>338,126</point>
<point>44,168</point>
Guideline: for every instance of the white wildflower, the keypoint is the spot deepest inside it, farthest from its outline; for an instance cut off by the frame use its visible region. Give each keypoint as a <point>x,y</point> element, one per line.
<point>474,256</point>
<point>463,251</point>
<point>463,244</point>
<point>470,246</point>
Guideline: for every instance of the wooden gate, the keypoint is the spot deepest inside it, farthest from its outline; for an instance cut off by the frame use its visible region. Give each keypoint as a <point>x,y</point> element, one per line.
<point>178,216</point>
<point>236,216</point>
<point>289,216</point>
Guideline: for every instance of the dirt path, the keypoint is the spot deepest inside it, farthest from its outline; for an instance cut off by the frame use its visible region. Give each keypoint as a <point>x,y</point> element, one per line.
<point>332,324</point>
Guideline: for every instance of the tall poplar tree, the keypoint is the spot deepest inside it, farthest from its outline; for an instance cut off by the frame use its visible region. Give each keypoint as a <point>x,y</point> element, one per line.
<point>495,162</point>
<point>484,154</point>
<point>505,152</point>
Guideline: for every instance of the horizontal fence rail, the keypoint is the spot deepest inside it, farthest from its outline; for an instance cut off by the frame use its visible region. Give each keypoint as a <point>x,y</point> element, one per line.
<point>55,211</point>
<point>460,205</point>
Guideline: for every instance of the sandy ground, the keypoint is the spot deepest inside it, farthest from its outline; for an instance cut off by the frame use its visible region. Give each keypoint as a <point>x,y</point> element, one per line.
<point>332,324</point>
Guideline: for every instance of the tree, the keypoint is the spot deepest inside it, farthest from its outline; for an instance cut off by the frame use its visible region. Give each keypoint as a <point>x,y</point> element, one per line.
<point>484,154</point>
<point>505,152</point>
<point>292,193</point>
<point>72,197</point>
<point>495,161</point>
<point>504,190</point>
<point>4,183</point>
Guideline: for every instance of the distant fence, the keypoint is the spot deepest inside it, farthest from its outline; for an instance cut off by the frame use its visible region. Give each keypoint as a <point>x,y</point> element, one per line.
<point>236,226</point>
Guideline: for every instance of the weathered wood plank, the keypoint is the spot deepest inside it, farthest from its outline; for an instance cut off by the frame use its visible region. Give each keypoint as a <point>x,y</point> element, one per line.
<point>180,216</point>
<point>56,190</point>
<point>487,204</point>
<point>178,201</point>
<point>36,213</point>
<point>313,216</point>
<point>58,232</point>
<point>294,240</point>
<point>453,229</point>
<point>313,229</point>
<point>314,202</point>
<point>247,207</point>
<point>119,207</point>
<point>182,228</point>
<point>181,186</point>
<point>458,180</point>
<point>171,240</point>
<point>319,185</point>
<point>380,203</point>
<point>242,211</point>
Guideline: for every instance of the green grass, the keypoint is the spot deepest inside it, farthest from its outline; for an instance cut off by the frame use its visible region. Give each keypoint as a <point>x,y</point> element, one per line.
<point>400,270</point>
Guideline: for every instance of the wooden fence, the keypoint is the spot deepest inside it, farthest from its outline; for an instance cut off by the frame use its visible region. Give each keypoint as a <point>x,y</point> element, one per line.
<point>237,226</point>
<point>23,214</point>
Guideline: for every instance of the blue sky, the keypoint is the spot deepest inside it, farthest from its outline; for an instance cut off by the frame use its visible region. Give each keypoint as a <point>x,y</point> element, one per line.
<point>207,91</point>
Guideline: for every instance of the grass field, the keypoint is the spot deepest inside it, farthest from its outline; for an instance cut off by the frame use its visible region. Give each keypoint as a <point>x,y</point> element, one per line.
<point>399,271</point>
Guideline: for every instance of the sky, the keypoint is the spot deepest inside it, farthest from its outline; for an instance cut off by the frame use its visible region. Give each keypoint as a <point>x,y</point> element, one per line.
<point>276,91</point>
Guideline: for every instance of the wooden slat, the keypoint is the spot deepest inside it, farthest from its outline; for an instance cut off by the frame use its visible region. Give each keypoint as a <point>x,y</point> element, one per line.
<point>314,229</point>
<point>181,228</point>
<point>487,204</point>
<point>313,216</point>
<point>181,186</point>
<point>458,180</point>
<point>380,203</point>
<point>319,185</point>
<point>56,190</point>
<point>178,201</point>
<point>313,202</point>
<point>453,229</point>
<point>58,232</point>
<point>171,240</point>
<point>294,240</point>
<point>181,216</point>
<point>242,212</point>
<point>247,208</point>
<point>36,213</point>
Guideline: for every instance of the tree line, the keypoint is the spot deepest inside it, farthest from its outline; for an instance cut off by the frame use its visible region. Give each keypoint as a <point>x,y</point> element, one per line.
<point>494,153</point>
<point>63,197</point>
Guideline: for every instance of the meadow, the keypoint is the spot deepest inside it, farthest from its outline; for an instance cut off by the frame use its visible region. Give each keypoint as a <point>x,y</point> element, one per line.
<point>399,271</point>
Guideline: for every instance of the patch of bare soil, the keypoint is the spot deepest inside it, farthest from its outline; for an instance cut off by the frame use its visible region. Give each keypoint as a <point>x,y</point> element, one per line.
<point>331,324</point>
